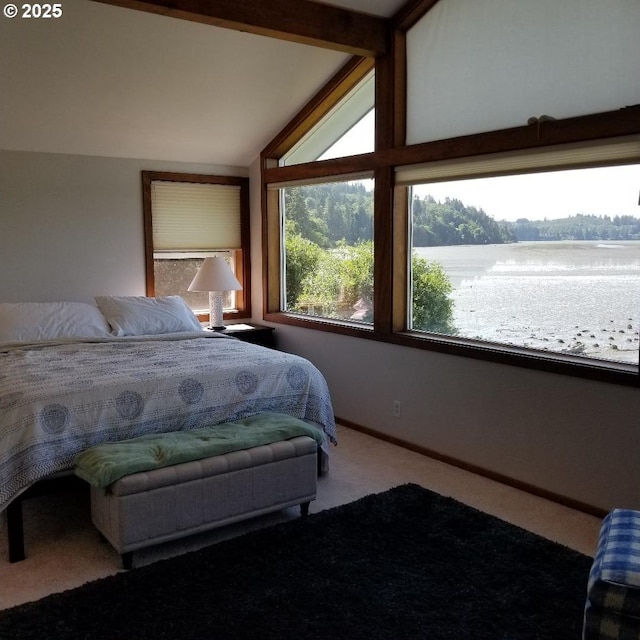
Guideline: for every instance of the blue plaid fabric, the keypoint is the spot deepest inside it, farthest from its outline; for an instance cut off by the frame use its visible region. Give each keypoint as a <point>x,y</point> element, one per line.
<point>602,625</point>
<point>612,611</point>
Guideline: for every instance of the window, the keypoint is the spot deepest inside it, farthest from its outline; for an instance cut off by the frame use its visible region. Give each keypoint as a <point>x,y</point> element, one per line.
<point>187,218</point>
<point>327,227</point>
<point>346,130</point>
<point>435,138</point>
<point>328,250</point>
<point>548,261</point>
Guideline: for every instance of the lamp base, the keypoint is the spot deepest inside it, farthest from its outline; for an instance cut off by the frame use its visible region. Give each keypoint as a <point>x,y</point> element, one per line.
<point>215,311</point>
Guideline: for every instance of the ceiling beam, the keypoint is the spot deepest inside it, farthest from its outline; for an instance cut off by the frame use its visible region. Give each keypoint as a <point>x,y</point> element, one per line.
<point>411,12</point>
<point>299,21</point>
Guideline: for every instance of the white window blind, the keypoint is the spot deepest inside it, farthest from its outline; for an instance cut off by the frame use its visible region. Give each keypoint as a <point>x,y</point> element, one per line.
<point>591,154</point>
<point>480,66</point>
<point>190,216</point>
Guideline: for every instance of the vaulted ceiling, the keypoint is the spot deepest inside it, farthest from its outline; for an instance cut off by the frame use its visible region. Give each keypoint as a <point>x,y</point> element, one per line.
<point>106,80</point>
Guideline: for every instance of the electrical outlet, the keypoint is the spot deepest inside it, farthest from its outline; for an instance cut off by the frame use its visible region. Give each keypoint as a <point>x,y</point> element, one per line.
<point>396,409</point>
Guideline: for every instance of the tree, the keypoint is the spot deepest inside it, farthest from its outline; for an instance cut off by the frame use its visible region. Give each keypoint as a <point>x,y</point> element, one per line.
<point>579,227</point>
<point>333,282</point>
<point>329,252</point>
<point>452,222</point>
<point>356,272</point>
<point>302,258</point>
<point>341,278</point>
<point>432,306</point>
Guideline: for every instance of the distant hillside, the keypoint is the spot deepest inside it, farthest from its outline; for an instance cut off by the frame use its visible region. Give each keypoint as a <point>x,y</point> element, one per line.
<point>578,227</point>
<point>452,222</point>
<point>328,214</point>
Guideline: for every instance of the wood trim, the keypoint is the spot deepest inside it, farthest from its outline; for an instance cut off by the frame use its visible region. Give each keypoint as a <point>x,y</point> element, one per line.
<point>357,164</point>
<point>201,178</point>
<point>399,204</point>
<point>597,126</point>
<point>345,328</point>
<point>399,89</point>
<point>300,21</point>
<point>383,250</point>
<point>412,12</point>
<point>584,507</point>
<point>339,86</point>
<point>272,252</point>
<point>609,124</point>
<point>385,103</point>
<point>243,256</point>
<point>560,364</point>
<point>265,235</point>
<point>148,233</point>
<point>401,254</point>
<point>383,196</point>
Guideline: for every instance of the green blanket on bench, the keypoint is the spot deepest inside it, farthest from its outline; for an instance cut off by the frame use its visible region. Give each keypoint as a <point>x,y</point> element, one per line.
<point>105,463</point>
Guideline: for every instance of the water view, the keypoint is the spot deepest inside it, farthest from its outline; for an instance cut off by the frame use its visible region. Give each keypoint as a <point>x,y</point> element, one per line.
<point>567,296</point>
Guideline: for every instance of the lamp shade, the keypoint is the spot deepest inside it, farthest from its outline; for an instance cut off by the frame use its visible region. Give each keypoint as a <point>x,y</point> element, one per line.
<point>214,275</point>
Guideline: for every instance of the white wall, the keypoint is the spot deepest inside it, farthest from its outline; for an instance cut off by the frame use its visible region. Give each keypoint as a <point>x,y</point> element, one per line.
<point>576,438</point>
<point>255,204</point>
<point>71,227</point>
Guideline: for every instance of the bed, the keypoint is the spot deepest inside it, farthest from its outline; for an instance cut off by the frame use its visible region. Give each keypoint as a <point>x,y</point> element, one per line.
<point>73,375</point>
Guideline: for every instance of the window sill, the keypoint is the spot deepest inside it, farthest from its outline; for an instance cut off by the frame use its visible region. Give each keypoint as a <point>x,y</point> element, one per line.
<point>558,363</point>
<point>355,329</point>
<point>553,362</point>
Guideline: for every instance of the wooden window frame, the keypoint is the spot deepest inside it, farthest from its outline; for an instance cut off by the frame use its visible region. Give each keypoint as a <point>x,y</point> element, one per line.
<point>242,256</point>
<point>391,238</point>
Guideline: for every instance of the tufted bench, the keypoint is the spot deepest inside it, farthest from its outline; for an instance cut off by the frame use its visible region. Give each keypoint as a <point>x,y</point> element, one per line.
<point>161,487</point>
<point>150,507</point>
<point>612,610</point>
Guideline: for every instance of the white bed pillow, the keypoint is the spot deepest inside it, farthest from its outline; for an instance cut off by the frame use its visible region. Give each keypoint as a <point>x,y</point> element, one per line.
<point>139,315</point>
<point>31,321</point>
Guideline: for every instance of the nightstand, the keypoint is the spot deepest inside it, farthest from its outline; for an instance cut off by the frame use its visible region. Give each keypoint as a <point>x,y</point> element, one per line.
<point>254,333</point>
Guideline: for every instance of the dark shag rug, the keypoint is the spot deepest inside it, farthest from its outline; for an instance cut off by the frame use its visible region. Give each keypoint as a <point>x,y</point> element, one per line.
<point>406,563</point>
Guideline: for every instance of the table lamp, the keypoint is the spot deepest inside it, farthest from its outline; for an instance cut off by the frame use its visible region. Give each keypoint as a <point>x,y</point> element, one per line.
<point>216,277</point>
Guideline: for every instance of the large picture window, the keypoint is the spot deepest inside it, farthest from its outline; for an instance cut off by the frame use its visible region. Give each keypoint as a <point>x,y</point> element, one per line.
<point>498,233</point>
<point>547,261</point>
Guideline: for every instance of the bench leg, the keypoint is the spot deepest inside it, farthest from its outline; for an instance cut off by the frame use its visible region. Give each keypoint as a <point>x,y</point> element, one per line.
<point>15,531</point>
<point>304,509</point>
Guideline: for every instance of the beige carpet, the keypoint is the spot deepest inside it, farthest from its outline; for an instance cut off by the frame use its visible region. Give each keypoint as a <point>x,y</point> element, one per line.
<point>64,550</point>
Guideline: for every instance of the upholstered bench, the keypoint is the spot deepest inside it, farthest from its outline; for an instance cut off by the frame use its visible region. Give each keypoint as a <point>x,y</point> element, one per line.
<point>170,501</point>
<point>612,610</point>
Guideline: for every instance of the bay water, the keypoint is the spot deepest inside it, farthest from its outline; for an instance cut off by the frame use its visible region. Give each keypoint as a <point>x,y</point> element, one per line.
<point>567,296</point>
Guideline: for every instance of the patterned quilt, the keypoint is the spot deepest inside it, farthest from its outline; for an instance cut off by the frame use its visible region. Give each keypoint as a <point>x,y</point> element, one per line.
<point>59,398</point>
